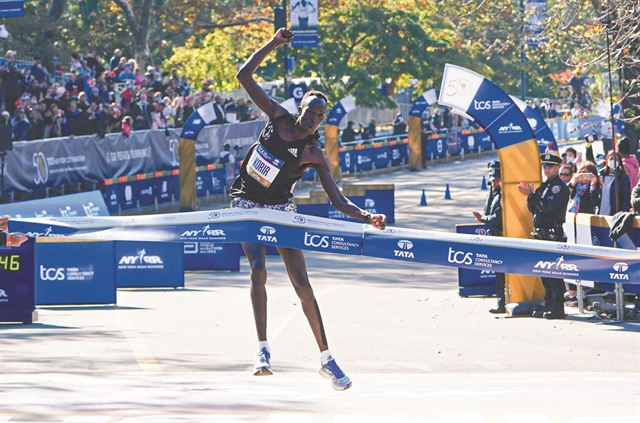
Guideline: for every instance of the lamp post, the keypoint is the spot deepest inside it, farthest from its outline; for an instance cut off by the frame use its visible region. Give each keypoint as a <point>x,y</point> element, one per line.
<point>238,64</point>
<point>619,289</point>
<point>608,25</point>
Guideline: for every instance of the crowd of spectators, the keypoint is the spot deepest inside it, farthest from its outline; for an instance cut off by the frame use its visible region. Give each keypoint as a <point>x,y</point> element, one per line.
<point>96,97</point>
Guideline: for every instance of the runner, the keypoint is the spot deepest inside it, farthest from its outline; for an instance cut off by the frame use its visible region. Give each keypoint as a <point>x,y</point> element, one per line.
<point>286,148</point>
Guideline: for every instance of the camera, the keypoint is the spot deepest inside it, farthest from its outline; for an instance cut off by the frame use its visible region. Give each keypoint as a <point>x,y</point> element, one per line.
<point>591,137</point>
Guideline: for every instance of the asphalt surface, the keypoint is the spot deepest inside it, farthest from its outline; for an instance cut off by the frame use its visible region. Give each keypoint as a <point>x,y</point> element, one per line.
<point>415,350</point>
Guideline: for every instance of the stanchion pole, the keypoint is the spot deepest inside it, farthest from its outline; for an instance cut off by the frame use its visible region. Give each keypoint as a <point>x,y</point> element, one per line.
<point>619,290</point>
<point>579,292</point>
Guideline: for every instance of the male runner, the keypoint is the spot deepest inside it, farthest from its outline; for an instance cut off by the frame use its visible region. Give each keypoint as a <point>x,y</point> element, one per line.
<point>286,148</point>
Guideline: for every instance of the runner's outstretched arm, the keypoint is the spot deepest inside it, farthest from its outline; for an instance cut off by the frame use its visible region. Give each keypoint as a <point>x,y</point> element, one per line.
<point>321,164</point>
<point>245,74</point>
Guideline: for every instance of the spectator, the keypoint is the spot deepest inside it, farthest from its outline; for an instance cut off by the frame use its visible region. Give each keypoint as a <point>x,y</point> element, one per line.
<point>59,123</point>
<point>184,88</point>
<point>94,63</point>
<point>36,131</point>
<point>21,125</point>
<point>114,62</point>
<point>13,86</point>
<point>635,198</point>
<point>82,102</point>
<point>218,108</point>
<point>77,122</point>
<point>584,190</point>
<point>399,126</point>
<point>629,161</point>
<point>566,173</point>
<point>34,89</point>
<point>126,126</point>
<point>76,65</point>
<point>371,129</point>
<point>126,98</point>
<point>110,118</point>
<point>187,108</point>
<point>364,133</point>
<point>616,193</point>
<point>349,134</point>
<point>38,71</point>
<point>141,114</point>
<point>127,74</point>
<point>169,112</point>
<point>446,118</point>
<point>74,85</point>
<point>226,156</point>
<point>157,116</point>
<point>552,113</point>
<point>93,118</point>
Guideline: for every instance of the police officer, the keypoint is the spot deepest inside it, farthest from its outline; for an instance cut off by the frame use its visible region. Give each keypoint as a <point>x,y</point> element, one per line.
<point>492,216</point>
<point>548,204</point>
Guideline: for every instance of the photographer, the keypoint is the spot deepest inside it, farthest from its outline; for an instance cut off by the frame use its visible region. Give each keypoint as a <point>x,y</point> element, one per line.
<point>585,190</point>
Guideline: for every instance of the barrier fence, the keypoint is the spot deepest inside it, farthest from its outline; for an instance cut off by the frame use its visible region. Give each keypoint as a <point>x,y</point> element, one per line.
<point>33,168</point>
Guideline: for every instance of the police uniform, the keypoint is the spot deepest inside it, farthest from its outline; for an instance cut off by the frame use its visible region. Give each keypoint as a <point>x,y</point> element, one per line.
<point>493,217</point>
<point>549,205</point>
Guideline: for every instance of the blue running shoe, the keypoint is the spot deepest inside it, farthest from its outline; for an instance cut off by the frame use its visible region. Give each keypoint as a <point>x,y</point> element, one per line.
<point>263,365</point>
<point>339,380</point>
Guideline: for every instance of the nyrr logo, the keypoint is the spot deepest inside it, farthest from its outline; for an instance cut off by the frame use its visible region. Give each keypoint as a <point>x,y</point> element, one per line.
<point>404,246</point>
<point>51,274</point>
<point>533,123</point>
<point>204,232</point>
<point>620,268</point>
<point>511,128</point>
<point>3,294</point>
<point>347,159</point>
<point>140,258</point>
<point>42,169</point>
<point>459,257</point>
<point>47,232</point>
<point>267,234</point>
<point>316,241</point>
<point>559,264</point>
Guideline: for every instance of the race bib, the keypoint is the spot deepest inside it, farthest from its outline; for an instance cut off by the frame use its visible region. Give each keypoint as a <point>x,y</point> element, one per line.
<point>264,166</point>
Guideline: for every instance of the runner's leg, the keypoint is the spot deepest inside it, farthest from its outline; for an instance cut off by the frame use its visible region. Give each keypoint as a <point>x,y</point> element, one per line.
<point>297,270</point>
<point>257,255</point>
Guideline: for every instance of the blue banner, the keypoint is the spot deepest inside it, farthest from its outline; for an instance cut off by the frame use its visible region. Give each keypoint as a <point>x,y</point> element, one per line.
<point>11,8</point>
<point>82,204</point>
<point>304,22</point>
<point>212,256</point>
<point>475,282</point>
<point>294,230</point>
<point>75,273</point>
<point>148,264</point>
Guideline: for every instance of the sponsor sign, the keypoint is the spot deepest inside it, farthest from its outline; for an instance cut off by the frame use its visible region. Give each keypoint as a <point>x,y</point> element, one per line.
<point>149,264</point>
<point>211,256</point>
<point>75,273</point>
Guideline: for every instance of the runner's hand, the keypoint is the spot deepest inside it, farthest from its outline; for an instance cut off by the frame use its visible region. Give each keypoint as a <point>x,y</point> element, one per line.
<point>283,36</point>
<point>379,221</point>
<point>4,222</point>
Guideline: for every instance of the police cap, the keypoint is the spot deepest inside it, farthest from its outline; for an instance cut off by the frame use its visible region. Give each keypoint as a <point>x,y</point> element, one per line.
<point>550,159</point>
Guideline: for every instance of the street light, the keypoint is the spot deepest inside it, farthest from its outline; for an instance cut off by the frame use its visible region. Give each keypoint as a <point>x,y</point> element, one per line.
<point>238,64</point>
<point>609,25</point>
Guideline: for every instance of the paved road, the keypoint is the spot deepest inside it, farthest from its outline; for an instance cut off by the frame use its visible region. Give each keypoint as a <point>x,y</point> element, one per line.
<point>415,350</point>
